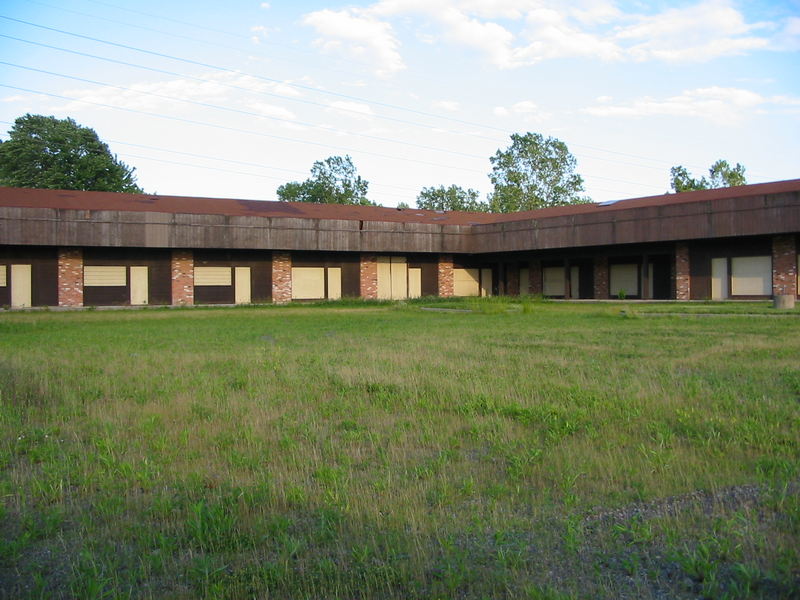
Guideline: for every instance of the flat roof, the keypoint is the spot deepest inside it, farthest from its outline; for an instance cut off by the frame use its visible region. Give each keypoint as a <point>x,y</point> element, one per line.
<point>80,200</point>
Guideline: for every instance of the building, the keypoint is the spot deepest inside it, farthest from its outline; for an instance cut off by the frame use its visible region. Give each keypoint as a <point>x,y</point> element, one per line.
<point>69,248</point>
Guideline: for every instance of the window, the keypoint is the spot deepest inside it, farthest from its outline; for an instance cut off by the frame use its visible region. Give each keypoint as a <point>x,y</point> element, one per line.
<point>751,276</point>
<point>212,276</point>
<point>96,276</point>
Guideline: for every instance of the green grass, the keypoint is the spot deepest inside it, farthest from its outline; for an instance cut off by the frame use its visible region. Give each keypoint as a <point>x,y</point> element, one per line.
<point>522,450</point>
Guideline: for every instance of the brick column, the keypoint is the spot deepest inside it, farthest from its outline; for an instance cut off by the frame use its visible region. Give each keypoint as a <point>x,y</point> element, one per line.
<point>368,277</point>
<point>682,278</point>
<point>784,265</point>
<point>182,265</point>
<point>445,275</point>
<point>535,278</point>
<point>601,277</point>
<point>281,277</point>
<point>70,277</point>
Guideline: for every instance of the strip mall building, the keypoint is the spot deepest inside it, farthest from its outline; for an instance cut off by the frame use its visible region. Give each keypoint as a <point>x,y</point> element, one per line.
<point>67,248</point>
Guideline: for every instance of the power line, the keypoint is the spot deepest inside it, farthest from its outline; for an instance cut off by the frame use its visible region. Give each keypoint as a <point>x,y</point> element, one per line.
<point>292,84</point>
<point>269,79</point>
<point>243,112</point>
<point>233,129</point>
<point>244,89</point>
<point>237,162</point>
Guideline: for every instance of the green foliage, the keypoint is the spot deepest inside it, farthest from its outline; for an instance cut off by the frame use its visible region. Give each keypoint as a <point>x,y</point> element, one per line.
<point>49,153</point>
<point>450,198</point>
<point>534,172</point>
<point>334,180</point>
<point>721,174</point>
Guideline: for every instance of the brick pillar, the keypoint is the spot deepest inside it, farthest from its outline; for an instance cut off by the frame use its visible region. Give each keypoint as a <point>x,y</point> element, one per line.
<point>70,277</point>
<point>368,277</point>
<point>182,265</point>
<point>601,277</point>
<point>281,277</point>
<point>445,275</point>
<point>784,265</point>
<point>682,278</point>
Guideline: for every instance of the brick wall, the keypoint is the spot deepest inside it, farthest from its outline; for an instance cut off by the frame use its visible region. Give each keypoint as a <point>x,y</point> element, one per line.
<point>601,277</point>
<point>535,278</point>
<point>445,275</point>
<point>70,277</point>
<point>682,277</point>
<point>281,277</point>
<point>182,264</point>
<point>784,265</point>
<point>368,277</point>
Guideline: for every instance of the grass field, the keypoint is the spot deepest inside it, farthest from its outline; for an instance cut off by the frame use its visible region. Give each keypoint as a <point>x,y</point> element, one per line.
<point>521,450</point>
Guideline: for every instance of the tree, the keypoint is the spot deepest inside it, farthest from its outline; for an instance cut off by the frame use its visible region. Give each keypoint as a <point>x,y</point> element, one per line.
<point>721,174</point>
<point>450,198</point>
<point>534,172</point>
<point>50,153</point>
<point>333,181</point>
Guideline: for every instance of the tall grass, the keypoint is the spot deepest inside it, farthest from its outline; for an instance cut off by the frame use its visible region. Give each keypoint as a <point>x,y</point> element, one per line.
<point>383,451</point>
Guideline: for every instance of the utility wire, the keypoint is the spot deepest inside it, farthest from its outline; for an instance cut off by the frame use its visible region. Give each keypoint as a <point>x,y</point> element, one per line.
<point>244,112</point>
<point>244,89</point>
<point>301,86</point>
<point>233,129</point>
<point>269,79</point>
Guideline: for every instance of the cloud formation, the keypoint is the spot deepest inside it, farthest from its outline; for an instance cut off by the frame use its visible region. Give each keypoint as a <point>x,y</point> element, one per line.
<point>358,35</point>
<point>721,105</point>
<point>517,33</point>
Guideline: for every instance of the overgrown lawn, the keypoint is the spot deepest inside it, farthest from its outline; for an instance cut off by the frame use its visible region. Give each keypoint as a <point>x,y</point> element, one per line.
<point>521,450</point>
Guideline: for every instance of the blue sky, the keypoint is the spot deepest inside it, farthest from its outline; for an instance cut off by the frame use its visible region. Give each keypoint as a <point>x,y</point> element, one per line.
<point>233,99</point>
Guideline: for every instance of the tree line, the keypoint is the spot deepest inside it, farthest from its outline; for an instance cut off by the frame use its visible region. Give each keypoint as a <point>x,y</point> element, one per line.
<point>532,172</point>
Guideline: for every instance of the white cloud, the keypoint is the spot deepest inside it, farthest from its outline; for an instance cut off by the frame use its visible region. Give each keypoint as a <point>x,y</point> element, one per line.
<point>525,110</point>
<point>16,98</point>
<point>352,109</point>
<point>537,30</point>
<point>357,35</point>
<point>259,33</point>
<point>226,89</point>
<point>721,105</point>
<point>448,105</point>
<point>272,110</point>
<point>700,32</point>
<point>265,5</point>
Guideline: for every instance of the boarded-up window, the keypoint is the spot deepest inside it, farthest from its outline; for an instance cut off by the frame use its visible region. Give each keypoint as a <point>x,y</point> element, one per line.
<point>392,277</point>
<point>3,269</point>
<point>719,278</point>
<point>486,282</point>
<point>574,281</point>
<point>308,283</point>
<point>624,279</point>
<point>241,287</point>
<point>212,276</point>
<point>524,281</point>
<point>334,283</point>
<point>751,276</point>
<point>21,285</point>
<point>466,282</point>
<point>553,281</point>
<point>414,282</point>
<point>104,276</point>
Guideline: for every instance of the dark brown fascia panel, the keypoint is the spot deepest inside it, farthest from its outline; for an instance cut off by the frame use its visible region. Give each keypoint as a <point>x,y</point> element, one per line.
<point>742,216</point>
